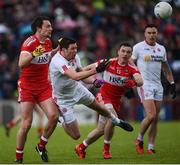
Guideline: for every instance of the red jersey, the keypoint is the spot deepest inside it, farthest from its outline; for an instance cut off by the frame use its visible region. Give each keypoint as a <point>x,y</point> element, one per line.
<point>114,77</point>
<point>35,75</point>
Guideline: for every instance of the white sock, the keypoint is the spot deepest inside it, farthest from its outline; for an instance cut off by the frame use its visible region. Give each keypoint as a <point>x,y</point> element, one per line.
<point>44,139</point>
<point>107,142</point>
<point>113,117</point>
<point>150,146</point>
<point>84,142</point>
<point>140,137</point>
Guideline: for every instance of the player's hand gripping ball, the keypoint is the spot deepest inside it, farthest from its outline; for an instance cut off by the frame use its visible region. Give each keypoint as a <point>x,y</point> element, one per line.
<point>163,10</point>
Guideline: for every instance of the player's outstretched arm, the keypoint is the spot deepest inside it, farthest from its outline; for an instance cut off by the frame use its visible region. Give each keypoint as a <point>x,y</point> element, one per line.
<point>79,75</point>
<point>93,65</point>
<point>138,79</point>
<point>169,76</point>
<point>167,72</point>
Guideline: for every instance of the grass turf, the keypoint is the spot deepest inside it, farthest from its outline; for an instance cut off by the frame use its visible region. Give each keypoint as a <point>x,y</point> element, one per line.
<point>61,147</point>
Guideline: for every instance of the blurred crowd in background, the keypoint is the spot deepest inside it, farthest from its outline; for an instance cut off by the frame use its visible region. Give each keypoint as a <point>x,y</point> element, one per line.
<point>99,26</point>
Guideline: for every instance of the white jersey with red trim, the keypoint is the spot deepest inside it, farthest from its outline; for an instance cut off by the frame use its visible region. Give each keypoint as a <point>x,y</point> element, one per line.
<point>114,77</point>
<point>149,60</point>
<point>35,75</point>
<point>63,86</point>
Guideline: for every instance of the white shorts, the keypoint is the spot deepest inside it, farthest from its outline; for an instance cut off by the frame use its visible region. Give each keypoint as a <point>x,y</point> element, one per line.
<point>66,105</point>
<point>151,92</point>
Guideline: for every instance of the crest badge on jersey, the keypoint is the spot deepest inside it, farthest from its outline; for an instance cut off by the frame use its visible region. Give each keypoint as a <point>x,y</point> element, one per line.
<point>118,71</point>
<point>158,49</point>
<point>126,70</point>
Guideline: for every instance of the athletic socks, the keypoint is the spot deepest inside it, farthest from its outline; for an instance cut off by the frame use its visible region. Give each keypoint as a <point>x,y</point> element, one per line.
<point>19,153</point>
<point>83,145</point>
<point>43,142</point>
<point>140,137</point>
<point>150,146</point>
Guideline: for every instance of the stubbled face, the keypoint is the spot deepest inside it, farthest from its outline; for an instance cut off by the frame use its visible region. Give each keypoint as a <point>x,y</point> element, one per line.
<point>151,35</point>
<point>46,29</point>
<point>71,51</point>
<point>124,53</point>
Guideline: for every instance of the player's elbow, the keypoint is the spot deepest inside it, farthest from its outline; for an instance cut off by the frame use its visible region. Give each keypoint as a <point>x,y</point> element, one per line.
<point>21,65</point>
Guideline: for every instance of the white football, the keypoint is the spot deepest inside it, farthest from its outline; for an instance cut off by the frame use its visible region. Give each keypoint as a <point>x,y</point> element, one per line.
<point>163,10</point>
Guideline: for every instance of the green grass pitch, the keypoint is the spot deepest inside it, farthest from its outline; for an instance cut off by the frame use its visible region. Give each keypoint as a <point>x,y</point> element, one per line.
<point>61,147</point>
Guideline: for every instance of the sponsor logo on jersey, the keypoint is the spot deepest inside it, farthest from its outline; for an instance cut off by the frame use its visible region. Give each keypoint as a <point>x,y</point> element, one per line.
<point>43,59</point>
<point>117,80</point>
<point>146,49</point>
<point>147,58</point>
<point>156,58</point>
<point>39,50</point>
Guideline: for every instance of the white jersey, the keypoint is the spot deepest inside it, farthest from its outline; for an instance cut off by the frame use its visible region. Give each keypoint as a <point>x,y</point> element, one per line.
<point>149,61</point>
<point>66,91</point>
<point>62,85</point>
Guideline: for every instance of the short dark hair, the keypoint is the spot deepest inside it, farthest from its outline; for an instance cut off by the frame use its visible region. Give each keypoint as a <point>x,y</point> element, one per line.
<point>65,42</point>
<point>38,22</point>
<point>125,44</point>
<point>150,26</point>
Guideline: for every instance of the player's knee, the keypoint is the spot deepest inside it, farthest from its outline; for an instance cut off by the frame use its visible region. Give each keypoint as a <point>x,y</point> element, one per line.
<point>53,117</point>
<point>26,126</point>
<point>151,117</point>
<point>76,136</point>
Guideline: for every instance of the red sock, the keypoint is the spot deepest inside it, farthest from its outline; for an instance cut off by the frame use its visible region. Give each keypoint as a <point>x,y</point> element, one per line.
<point>43,142</point>
<point>106,147</point>
<point>83,147</point>
<point>19,153</point>
<point>10,124</point>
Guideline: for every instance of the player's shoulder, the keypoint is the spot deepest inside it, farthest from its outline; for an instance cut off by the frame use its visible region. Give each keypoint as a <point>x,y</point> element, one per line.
<point>77,56</point>
<point>56,57</point>
<point>132,67</point>
<point>29,41</point>
<point>48,41</point>
<point>113,60</point>
<point>160,46</point>
<point>139,45</point>
<point>59,59</point>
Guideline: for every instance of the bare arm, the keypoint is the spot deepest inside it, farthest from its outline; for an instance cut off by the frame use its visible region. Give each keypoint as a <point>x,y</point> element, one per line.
<point>24,59</point>
<point>89,67</point>
<point>167,72</point>
<point>93,65</point>
<point>80,75</point>
<point>138,79</point>
<point>88,80</point>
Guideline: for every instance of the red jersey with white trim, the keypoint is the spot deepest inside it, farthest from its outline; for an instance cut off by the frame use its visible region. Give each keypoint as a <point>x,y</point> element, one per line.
<point>35,75</point>
<point>114,77</point>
